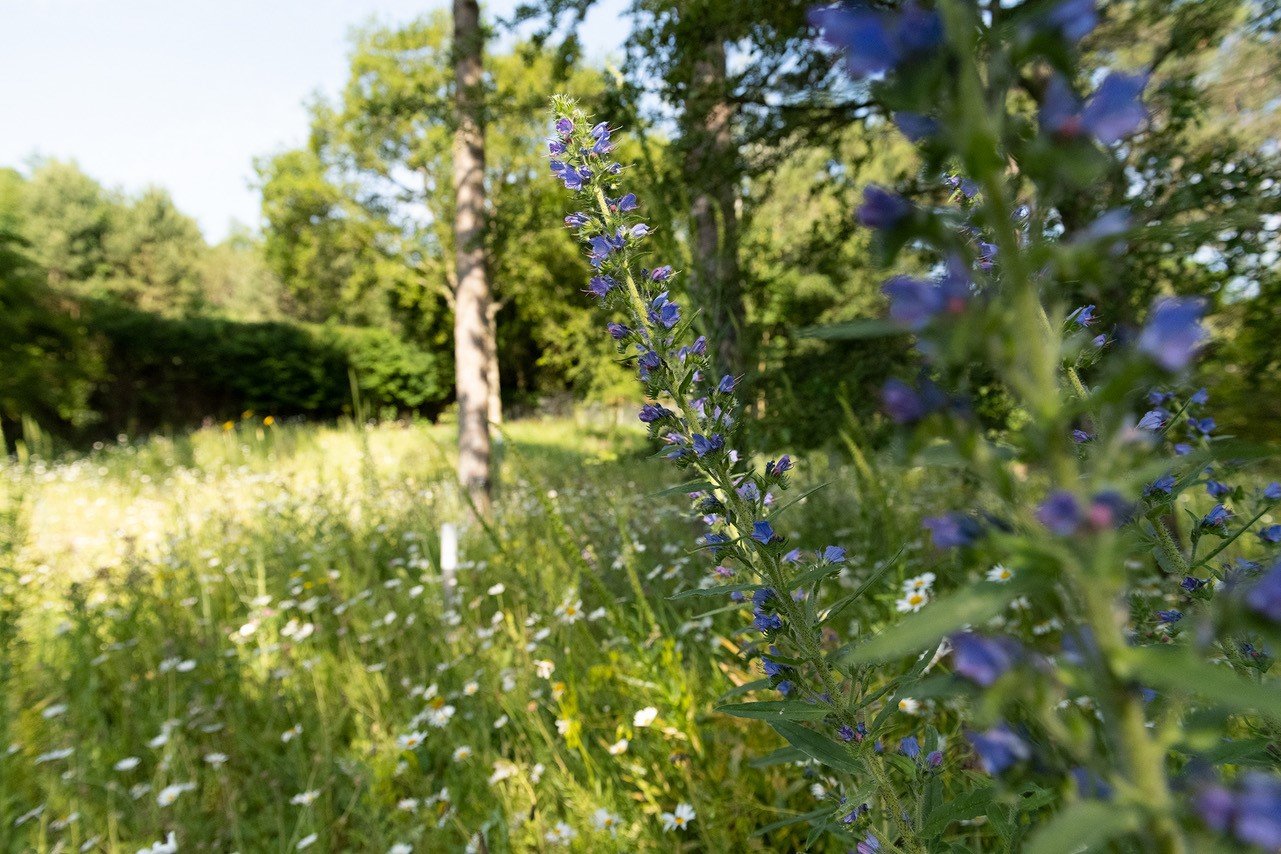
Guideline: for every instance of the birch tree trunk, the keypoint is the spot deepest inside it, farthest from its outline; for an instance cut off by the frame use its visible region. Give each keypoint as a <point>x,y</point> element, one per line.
<point>491,363</point>
<point>711,170</point>
<point>471,303</point>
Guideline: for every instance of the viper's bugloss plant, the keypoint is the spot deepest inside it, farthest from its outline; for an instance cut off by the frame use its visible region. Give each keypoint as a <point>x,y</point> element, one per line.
<point>1100,634</point>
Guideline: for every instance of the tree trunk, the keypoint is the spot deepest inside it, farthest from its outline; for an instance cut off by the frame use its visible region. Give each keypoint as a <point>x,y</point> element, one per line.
<point>712,173</point>
<point>491,363</point>
<point>471,301</point>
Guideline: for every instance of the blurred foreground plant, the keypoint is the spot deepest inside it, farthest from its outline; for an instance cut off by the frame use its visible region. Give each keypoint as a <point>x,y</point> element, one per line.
<point>1106,664</point>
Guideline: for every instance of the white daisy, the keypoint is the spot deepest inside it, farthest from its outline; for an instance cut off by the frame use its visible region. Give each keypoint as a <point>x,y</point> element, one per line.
<point>923,583</point>
<point>679,818</point>
<point>644,717</point>
<point>619,747</point>
<point>999,573</point>
<point>603,819</point>
<point>913,600</point>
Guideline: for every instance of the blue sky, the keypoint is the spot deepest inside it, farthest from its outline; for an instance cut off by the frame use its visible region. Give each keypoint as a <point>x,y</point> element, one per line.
<point>185,93</point>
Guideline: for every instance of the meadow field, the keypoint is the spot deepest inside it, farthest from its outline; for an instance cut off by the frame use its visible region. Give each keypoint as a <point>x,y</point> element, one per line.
<point>239,637</point>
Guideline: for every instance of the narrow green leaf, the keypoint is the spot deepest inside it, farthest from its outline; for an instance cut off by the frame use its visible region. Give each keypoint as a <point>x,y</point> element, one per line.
<point>745,688</point>
<point>929,625</point>
<point>821,812</point>
<point>817,746</point>
<point>1176,670</point>
<point>864,587</point>
<point>773,710</point>
<point>688,486</point>
<point>1083,826</point>
<point>967,805</point>
<point>718,590</point>
<point>782,756</point>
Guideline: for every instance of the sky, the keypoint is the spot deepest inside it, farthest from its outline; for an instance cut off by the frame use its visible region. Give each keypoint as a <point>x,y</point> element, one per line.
<point>184,94</point>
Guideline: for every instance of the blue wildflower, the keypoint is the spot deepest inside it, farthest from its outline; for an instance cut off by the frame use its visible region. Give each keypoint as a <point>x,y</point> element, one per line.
<point>726,385</point>
<point>599,286</point>
<point>1074,19</point>
<point>1216,489</point>
<point>1163,484</point>
<point>1272,492</point>
<point>1271,534</point>
<point>998,748</point>
<point>661,274</point>
<point>915,126</point>
<point>763,532</point>
<point>869,845</point>
<point>577,220</point>
<point>652,412</point>
<point>617,331</point>
<point>663,312</point>
<point>1171,616</point>
<point>624,204</point>
<point>1112,113</point>
<point>983,660</point>
<point>1173,332</point>
<point>882,209</point>
<point>834,554</point>
<point>952,530</point>
<point>935,758</point>
<point>564,126</point>
<point>1217,517</point>
<point>913,302</point>
<point>1084,316</point>
<point>1191,583</point>
<point>782,466</point>
<point>1153,419</point>
<point>902,402</point>
<point>767,622</point>
<point>909,747</point>
<point>1265,596</point>
<point>1061,513</point>
<point>1081,437</point>
<point>704,445</point>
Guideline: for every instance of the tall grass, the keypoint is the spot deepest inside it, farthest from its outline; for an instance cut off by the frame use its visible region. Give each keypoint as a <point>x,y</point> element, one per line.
<point>254,614</point>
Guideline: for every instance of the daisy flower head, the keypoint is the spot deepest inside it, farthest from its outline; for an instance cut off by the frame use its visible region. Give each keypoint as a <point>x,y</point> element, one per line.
<point>922,583</point>
<point>1000,573</point>
<point>619,747</point>
<point>913,600</point>
<point>561,834</point>
<point>462,753</point>
<point>679,818</point>
<point>603,819</point>
<point>909,706</point>
<point>411,740</point>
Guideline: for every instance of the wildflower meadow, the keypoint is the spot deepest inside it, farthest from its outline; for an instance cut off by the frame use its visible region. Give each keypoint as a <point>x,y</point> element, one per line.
<point>1024,594</point>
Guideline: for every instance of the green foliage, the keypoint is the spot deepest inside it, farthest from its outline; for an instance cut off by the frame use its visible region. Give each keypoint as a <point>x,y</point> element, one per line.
<point>174,371</point>
<point>44,366</point>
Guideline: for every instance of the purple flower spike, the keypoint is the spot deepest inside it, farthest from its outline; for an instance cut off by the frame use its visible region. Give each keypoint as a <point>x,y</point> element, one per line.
<point>1173,332</point>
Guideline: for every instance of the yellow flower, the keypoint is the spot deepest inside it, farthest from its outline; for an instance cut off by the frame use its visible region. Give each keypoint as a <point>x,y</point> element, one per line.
<point>269,420</point>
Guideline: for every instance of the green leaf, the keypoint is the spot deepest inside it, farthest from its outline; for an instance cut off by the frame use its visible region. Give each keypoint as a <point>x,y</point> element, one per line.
<point>697,485</point>
<point>1176,670</point>
<point>817,746</point>
<point>967,805</point>
<point>773,710</point>
<point>782,756</point>
<point>821,812</point>
<point>864,587</point>
<point>718,590</point>
<point>928,626</point>
<point>1083,826</point>
<point>746,688</point>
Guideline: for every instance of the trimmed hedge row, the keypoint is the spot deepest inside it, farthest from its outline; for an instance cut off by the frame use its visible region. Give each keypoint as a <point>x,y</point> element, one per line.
<point>160,371</point>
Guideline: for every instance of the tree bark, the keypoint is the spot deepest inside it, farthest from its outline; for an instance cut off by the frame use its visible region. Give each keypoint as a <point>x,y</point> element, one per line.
<point>491,363</point>
<point>712,172</point>
<point>471,300</point>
